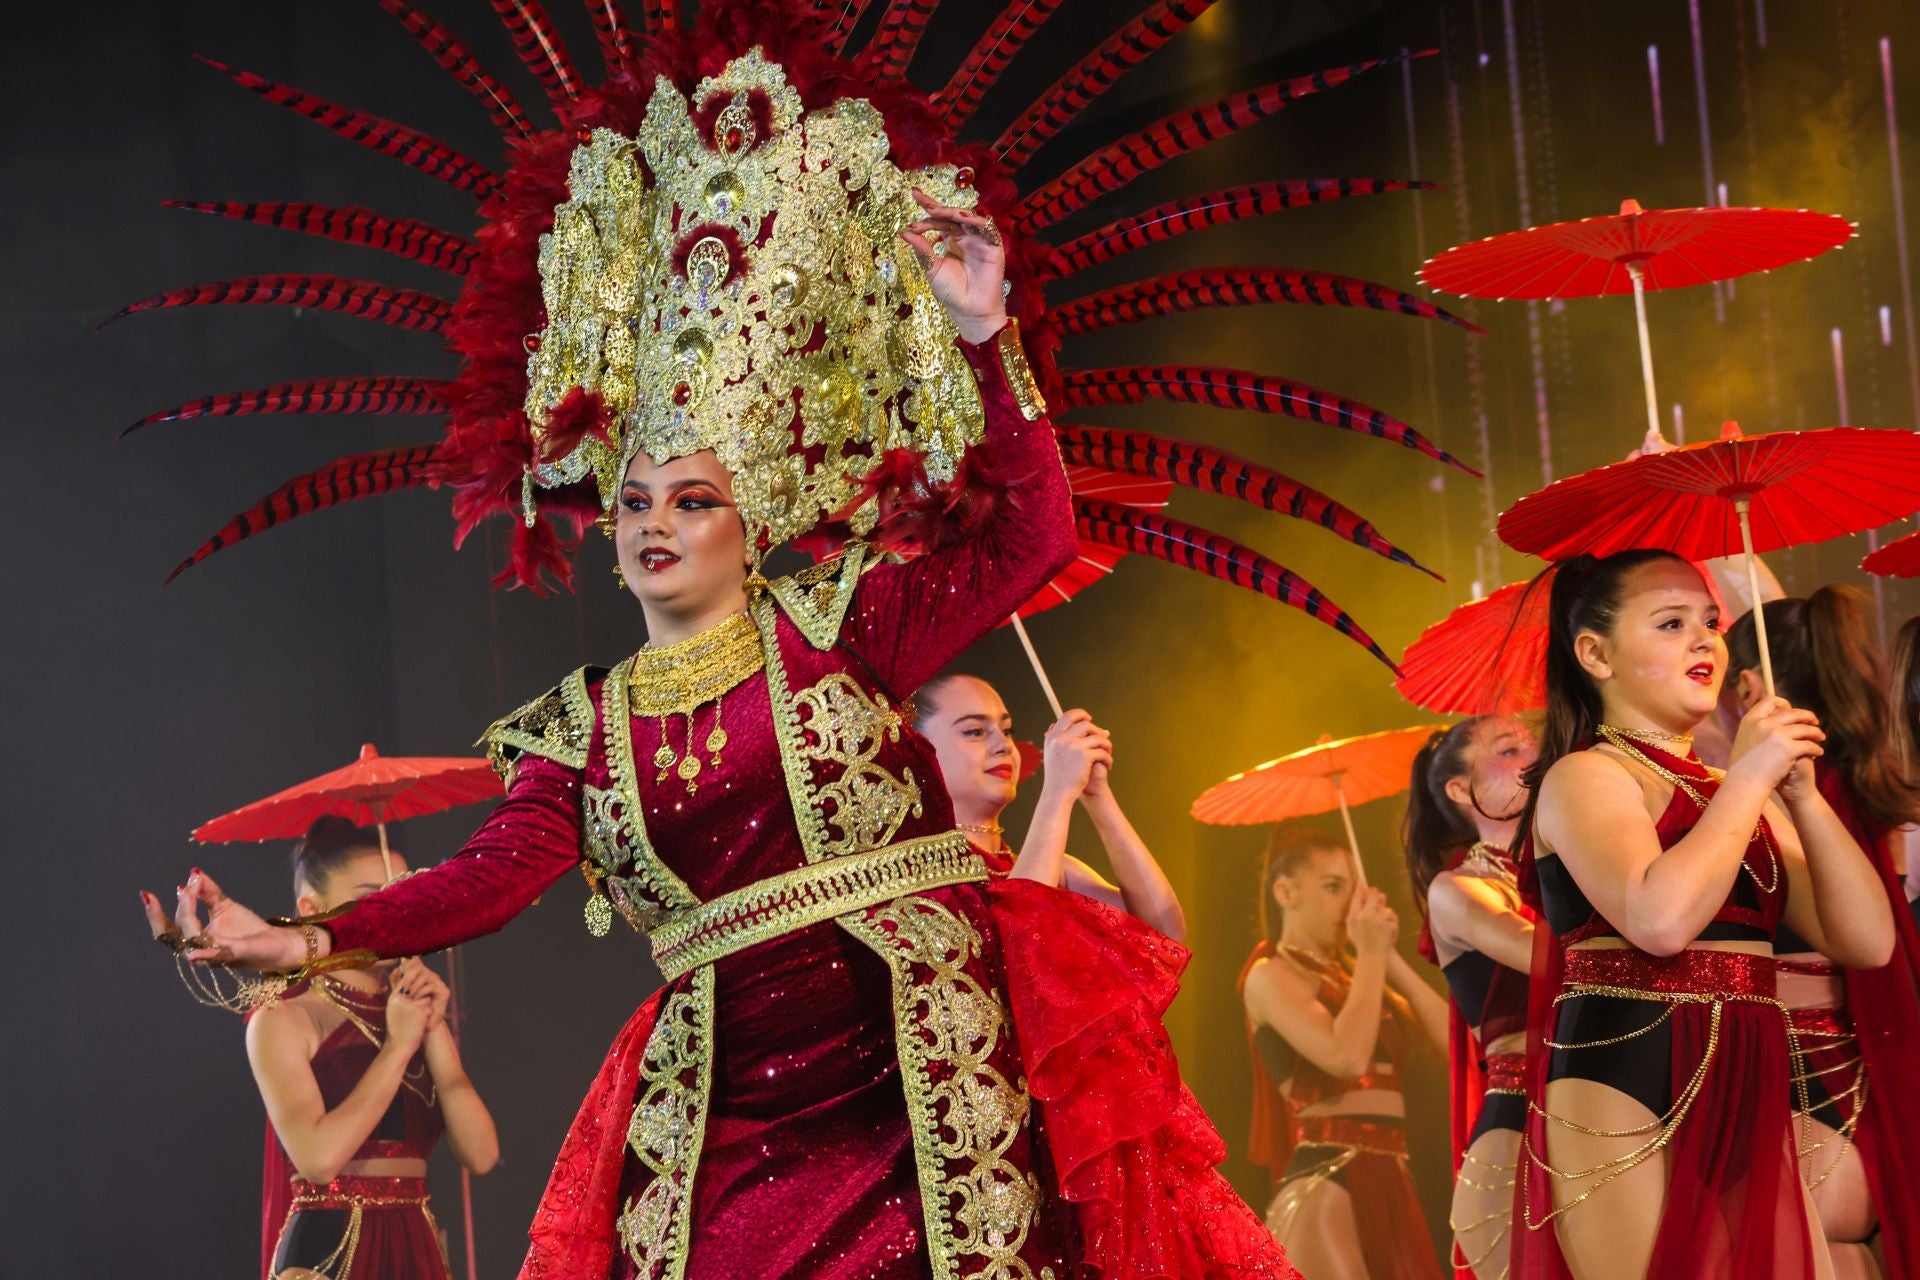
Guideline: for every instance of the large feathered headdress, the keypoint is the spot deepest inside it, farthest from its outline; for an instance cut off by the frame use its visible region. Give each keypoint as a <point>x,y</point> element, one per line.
<point>702,254</point>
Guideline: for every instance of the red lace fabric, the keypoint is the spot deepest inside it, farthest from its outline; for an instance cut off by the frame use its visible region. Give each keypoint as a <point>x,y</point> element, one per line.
<point>1882,1013</point>
<point>1132,1150</point>
<point>1733,1203</point>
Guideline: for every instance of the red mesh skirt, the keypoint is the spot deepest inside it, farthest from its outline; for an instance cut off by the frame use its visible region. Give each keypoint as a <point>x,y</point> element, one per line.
<point>1368,1157</point>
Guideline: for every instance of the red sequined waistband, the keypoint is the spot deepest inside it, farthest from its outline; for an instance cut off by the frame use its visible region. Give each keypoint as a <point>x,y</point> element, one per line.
<point>1821,1022</point>
<point>1507,1072</point>
<point>1807,968</point>
<point>1375,1133</point>
<point>351,1191</point>
<point>1697,971</point>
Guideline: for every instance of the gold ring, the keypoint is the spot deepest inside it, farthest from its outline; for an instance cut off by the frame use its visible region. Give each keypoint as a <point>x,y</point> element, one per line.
<point>939,250</point>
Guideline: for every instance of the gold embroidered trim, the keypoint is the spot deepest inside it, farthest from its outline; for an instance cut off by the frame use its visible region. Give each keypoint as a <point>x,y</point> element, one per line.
<point>668,1130</point>
<point>677,678</point>
<point>557,725</point>
<point>865,803</point>
<point>805,896</point>
<point>979,1206</point>
<point>653,887</point>
<point>790,737</point>
<point>1019,374</point>
<point>817,597</point>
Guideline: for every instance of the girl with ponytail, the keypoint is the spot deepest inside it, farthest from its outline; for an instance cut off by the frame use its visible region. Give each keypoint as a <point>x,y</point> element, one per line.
<point>1462,816</point>
<point>1330,1009</point>
<point>1659,1126</point>
<point>1905,710</point>
<point>1860,1155</point>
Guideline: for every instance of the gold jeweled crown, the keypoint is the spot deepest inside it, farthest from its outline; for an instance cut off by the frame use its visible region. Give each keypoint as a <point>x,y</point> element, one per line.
<point>748,292</point>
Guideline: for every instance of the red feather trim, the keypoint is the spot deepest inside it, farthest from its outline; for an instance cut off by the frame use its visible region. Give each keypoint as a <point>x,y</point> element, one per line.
<point>579,414</point>
<point>314,395</point>
<point>1239,389</point>
<point>454,58</point>
<point>1197,466</point>
<point>1183,291</point>
<point>403,308</point>
<point>361,475</point>
<point>997,45</point>
<point>429,155</point>
<point>898,37</point>
<point>1210,209</point>
<point>1113,167</point>
<point>1093,75</point>
<point>1147,533</point>
<point>350,224</point>
<point>540,49</point>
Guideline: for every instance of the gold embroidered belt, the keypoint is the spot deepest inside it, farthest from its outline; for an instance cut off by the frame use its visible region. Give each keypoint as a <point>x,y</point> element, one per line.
<point>809,895</point>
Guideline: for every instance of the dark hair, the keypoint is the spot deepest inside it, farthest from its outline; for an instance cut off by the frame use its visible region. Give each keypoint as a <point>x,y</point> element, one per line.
<point>330,843</point>
<point>1904,694</point>
<point>1585,596</point>
<point>1824,660</point>
<point>1434,826</point>
<point>925,702</point>
<point>1288,849</point>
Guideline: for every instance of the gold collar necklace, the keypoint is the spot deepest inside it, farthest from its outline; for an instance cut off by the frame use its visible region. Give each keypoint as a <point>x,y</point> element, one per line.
<point>677,679</point>
<point>1651,737</point>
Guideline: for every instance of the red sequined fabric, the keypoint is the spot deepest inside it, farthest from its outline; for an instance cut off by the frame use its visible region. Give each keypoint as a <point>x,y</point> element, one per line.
<point>396,1238</point>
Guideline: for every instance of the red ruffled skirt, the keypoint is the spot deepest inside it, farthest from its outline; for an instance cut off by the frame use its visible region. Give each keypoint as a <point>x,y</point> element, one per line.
<point>1126,1169</point>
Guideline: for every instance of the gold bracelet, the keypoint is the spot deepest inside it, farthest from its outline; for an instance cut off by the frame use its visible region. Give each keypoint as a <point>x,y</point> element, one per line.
<point>1019,375</point>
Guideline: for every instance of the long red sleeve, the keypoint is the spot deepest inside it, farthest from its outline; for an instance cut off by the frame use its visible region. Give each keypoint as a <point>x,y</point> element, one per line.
<point>531,839</point>
<point>909,620</point>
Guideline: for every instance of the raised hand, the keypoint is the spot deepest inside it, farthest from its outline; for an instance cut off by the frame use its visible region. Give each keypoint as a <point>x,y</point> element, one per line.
<point>233,934</point>
<point>413,977</point>
<point>1075,749</point>
<point>966,265</point>
<point>1372,925</point>
<point>1776,745</point>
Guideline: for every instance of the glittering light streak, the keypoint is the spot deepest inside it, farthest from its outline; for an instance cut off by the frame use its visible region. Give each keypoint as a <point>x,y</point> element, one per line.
<point>1886,326</point>
<point>1679,424</point>
<point>1899,228</point>
<point>1760,21</point>
<point>1706,131</point>
<point>1486,556</point>
<point>1439,483</point>
<point>1535,346</point>
<point>1653,76</point>
<point>1873,538</point>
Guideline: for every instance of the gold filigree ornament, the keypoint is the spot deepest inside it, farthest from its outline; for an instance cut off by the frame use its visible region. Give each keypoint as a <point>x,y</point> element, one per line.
<point>743,288</point>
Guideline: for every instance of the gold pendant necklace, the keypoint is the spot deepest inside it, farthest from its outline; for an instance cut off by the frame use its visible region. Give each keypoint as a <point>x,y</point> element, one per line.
<point>679,679</point>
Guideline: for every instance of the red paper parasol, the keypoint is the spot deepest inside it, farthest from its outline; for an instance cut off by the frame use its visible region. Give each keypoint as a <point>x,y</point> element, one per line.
<point>1094,561</point>
<point>1031,758</point>
<point>372,791</point>
<point>1738,493</point>
<point>1319,779</point>
<point>1898,559</point>
<point>1487,657</point>
<point>1631,252</point>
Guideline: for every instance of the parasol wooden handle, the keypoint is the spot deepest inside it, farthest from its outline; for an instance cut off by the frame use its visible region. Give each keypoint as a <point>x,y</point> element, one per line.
<point>1353,841</point>
<point>1046,685</point>
<point>1740,506</point>
<point>1637,272</point>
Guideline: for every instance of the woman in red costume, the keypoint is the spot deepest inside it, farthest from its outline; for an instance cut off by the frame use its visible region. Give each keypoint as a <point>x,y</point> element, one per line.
<point>1463,813</point>
<point>1330,1040</point>
<point>972,734</point>
<point>1859,1149</point>
<point>1659,1137</point>
<point>1904,729</point>
<point>360,1076</point>
<point>867,1060</point>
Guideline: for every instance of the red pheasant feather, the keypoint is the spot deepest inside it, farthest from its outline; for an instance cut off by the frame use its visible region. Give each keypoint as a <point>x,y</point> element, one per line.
<point>314,395</point>
<point>1239,389</point>
<point>361,475</point>
<point>662,15</point>
<point>403,308</point>
<point>1113,167</point>
<point>349,224</point>
<point>612,33</point>
<point>1149,534</point>
<point>1093,75</point>
<point>429,155</point>
<point>441,45</point>
<point>1210,209</point>
<point>1142,453</point>
<point>1183,291</point>
<point>539,47</point>
<point>981,69</point>
<point>898,37</point>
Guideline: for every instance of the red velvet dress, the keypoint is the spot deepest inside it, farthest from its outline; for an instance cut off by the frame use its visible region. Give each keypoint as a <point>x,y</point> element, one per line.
<point>372,1228</point>
<point>847,1074</point>
<point>1706,1028</point>
<point>1365,1154</point>
<point>1856,1078</point>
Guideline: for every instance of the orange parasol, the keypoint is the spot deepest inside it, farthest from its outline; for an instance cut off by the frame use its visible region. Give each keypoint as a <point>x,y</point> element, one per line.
<point>1898,559</point>
<point>1487,657</point>
<point>1319,779</point>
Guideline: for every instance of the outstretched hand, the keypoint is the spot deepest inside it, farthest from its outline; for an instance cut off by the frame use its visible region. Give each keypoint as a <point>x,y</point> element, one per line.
<point>966,265</point>
<point>233,934</point>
